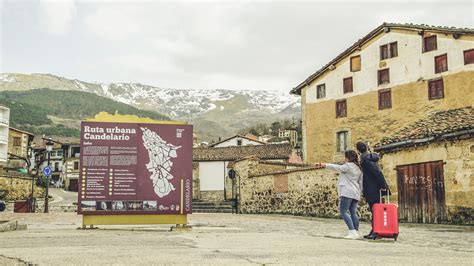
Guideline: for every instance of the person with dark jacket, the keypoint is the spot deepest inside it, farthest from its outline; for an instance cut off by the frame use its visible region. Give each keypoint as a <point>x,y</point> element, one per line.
<point>373,178</point>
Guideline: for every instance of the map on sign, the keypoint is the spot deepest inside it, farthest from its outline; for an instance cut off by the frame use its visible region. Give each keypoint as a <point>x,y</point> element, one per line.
<point>160,154</point>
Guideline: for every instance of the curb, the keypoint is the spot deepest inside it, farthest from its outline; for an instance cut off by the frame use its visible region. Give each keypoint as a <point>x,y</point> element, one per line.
<point>6,226</point>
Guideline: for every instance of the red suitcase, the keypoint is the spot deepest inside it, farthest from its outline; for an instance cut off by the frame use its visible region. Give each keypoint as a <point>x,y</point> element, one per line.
<point>385,219</point>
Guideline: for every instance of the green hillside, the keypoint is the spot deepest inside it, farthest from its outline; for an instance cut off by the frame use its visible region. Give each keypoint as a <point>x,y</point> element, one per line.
<point>59,112</point>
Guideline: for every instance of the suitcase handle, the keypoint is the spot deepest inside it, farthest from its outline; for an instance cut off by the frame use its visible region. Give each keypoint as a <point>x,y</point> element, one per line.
<point>388,195</point>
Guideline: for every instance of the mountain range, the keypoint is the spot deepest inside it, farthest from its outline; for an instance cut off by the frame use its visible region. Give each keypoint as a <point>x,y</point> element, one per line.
<point>213,112</point>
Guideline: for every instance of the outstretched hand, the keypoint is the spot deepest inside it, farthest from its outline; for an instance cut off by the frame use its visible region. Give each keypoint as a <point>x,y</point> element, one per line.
<point>323,165</point>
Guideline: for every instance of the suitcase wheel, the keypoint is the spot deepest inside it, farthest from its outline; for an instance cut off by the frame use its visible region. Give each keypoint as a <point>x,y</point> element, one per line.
<point>374,236</point>
<point>395,237</point>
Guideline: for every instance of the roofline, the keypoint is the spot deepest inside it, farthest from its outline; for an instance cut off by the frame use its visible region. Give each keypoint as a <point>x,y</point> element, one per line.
<point>240,136</point>
<point>385,27</point>
<point>412,142</point>
<point>22,131</point>
<point>237,159</point>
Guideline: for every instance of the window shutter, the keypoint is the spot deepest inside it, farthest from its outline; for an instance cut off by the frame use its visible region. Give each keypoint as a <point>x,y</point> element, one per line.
<point>469,57</point>
<point>347,85</point>
<point>355,63</point>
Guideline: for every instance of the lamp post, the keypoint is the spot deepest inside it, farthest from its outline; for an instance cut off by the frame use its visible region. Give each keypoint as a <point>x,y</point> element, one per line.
<point>49,148</point>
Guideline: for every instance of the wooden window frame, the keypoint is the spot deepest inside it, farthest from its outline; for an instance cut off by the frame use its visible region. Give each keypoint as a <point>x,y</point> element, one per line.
<point>16,141</point>
<point>360,63</point>
<point>338,103</point>
<point>318,95</point>
<point>435,45</point>
<point>74,166</point>
<point>464,54</point>
<point>439,69</point>
<point>347,90</point>
<point>338,143</point>
<point>390,51</point>
<point>382,104</point>
<point>379,80</point>
<point>436,96</point>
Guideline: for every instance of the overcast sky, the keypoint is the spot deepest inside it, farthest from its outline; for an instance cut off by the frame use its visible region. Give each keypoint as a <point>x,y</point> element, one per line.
<point>226,45</point>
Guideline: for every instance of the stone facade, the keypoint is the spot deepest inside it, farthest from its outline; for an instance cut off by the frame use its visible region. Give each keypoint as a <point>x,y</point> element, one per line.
<point>298,191</point>
<point>18,142</point>
<point>458,158</point>
<point>18,188</point>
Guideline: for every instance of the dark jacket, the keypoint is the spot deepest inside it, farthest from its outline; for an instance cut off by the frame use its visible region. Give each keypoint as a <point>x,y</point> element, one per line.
<point>373,179</point>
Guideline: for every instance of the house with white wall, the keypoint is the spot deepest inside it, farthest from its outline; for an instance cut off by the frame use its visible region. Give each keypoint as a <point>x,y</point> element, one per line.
<point>211,165</point>
<point>4,128</point>
<point>236,140</point>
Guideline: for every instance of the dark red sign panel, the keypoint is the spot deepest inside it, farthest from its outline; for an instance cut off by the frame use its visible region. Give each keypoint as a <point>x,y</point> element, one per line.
<point>133,168</point>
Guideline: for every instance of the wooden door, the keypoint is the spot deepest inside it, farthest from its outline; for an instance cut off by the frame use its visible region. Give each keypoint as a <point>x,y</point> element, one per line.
<point>421,195</point>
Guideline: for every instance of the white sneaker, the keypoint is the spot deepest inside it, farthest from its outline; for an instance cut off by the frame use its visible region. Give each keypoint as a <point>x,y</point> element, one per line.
<point>352,234</point>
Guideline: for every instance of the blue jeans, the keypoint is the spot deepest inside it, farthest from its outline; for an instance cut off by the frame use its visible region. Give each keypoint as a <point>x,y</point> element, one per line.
<point>348,209</point>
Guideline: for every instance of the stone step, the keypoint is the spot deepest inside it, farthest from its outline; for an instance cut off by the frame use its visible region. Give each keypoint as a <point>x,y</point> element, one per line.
<point>212,210</point>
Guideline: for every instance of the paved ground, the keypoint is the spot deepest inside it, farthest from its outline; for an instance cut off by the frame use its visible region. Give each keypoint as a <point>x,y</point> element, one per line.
<point>227,239</point>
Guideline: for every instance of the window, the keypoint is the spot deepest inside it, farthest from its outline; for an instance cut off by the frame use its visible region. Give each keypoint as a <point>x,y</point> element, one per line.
<point>56,167</point>
<point>429,43</point>
<point>341,141</point>
<point>441,63</point>
<point>355,63</point>
<point>347,85</point>
<point>388,50</point>
<point>76,165</point>
<point>435,89</point>
<point>239,142</point>
<point>469,57</point>
<point>341,108</point>
<point>383,76</point>
<point>385,99</point>
<point>16,141</point>
<point>59,153</point>
<point>320,91</point>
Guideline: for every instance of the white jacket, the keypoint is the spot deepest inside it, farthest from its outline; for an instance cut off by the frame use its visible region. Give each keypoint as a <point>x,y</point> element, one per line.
<point>350,180</point>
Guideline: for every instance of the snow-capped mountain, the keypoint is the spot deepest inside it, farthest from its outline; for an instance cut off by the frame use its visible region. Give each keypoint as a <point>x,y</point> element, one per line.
<point>215,112</point>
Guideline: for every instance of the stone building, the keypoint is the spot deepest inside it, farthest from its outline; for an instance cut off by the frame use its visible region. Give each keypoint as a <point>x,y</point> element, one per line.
<point>71,169</point>
<point>211,165</point>
<point>4,125</point>
<point>389,79</point>
<point>285,188</point>
<point>430,167</point>
<point>19,142</point>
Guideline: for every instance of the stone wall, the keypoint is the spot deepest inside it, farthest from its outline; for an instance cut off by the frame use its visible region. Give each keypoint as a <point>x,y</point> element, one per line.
<point>458,169</point>
<point>212,195</point>
<point>18,188</point>
<point>299,191</point>
<point>366,122</point>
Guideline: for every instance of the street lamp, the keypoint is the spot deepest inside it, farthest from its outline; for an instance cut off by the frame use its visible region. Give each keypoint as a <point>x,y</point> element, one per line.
<point>49,148</point>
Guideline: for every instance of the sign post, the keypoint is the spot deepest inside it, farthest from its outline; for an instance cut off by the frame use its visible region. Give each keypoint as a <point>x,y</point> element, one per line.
<point>135,171</point>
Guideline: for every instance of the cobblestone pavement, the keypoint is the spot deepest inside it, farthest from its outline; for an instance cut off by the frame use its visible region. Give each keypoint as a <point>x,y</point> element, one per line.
<point>228,239</point>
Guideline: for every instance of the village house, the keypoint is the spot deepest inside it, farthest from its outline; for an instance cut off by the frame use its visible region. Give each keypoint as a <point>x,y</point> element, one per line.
<point>236,140</point>
<point>4,125</point>
<point>290,133</point>
<point>19,142</point>
<point>391,79</point>
<point>431,163</point>
<point>211,166</point>
<point>70,174</point>
<point>40,157</point>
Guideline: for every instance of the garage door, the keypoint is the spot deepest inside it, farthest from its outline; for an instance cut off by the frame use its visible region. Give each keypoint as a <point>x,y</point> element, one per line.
<point>421,196</point>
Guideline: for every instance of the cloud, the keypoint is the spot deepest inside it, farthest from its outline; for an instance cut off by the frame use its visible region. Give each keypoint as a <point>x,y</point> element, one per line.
<point>56,16</point>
